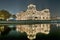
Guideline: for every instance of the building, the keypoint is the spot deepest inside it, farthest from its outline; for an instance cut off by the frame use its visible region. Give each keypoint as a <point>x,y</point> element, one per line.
<point>33,14</point>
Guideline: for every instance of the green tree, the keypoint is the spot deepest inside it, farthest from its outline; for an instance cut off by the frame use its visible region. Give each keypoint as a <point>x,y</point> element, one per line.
<point>4,14</point>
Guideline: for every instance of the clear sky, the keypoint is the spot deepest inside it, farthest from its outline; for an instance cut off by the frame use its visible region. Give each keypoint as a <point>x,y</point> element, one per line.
<point>14,6</point>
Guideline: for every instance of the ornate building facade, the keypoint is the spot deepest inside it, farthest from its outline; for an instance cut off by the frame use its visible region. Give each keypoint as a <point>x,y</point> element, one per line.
<point>33,14</point>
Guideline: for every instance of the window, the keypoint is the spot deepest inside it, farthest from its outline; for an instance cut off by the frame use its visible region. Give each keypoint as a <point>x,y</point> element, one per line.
<point>46,17</point>
<point>33,13</point>
<point>46,11</point>
<point>46,30</point>
<point>42,28</point>
<point>43,18</point>
<point>36,17</point>
<point>43,25</point>
<point>35,25</point>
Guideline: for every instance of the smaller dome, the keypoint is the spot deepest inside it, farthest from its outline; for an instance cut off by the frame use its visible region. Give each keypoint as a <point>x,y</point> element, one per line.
<point>46,9</point>
<point>31,6</point>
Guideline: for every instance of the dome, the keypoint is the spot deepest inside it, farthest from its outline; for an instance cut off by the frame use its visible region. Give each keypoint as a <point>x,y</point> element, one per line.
<point>31,6</point>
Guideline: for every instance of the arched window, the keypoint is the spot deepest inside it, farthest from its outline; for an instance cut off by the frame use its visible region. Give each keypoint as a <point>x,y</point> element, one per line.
<point>46,11</point>
<point>46,17</point>
<point>39,17</point>
<point>46,30</point>
<point>36,17</point>
<point>43,17</point>
<point>33,13</point>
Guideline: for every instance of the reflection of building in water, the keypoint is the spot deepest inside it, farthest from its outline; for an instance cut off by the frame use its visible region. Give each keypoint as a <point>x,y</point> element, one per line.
<point>57,24</point>
<point>56,18</point>
<point>33,14</point>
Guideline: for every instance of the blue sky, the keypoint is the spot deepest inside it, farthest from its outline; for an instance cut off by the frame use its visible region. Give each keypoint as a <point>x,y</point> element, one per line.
<point>14,6</point>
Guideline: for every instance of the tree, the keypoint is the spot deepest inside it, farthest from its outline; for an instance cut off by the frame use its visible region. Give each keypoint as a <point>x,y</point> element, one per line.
<point>14,16</point>
<point>4,14</point>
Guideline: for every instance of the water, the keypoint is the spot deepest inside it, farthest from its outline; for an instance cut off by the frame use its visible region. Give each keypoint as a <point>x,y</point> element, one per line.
<point>13,34</point>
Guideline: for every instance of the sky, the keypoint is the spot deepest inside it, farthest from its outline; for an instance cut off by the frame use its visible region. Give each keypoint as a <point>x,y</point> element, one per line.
<point>15,6</point>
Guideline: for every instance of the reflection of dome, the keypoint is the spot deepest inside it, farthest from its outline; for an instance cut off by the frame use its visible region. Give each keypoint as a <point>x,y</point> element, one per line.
<point>31,6</point>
